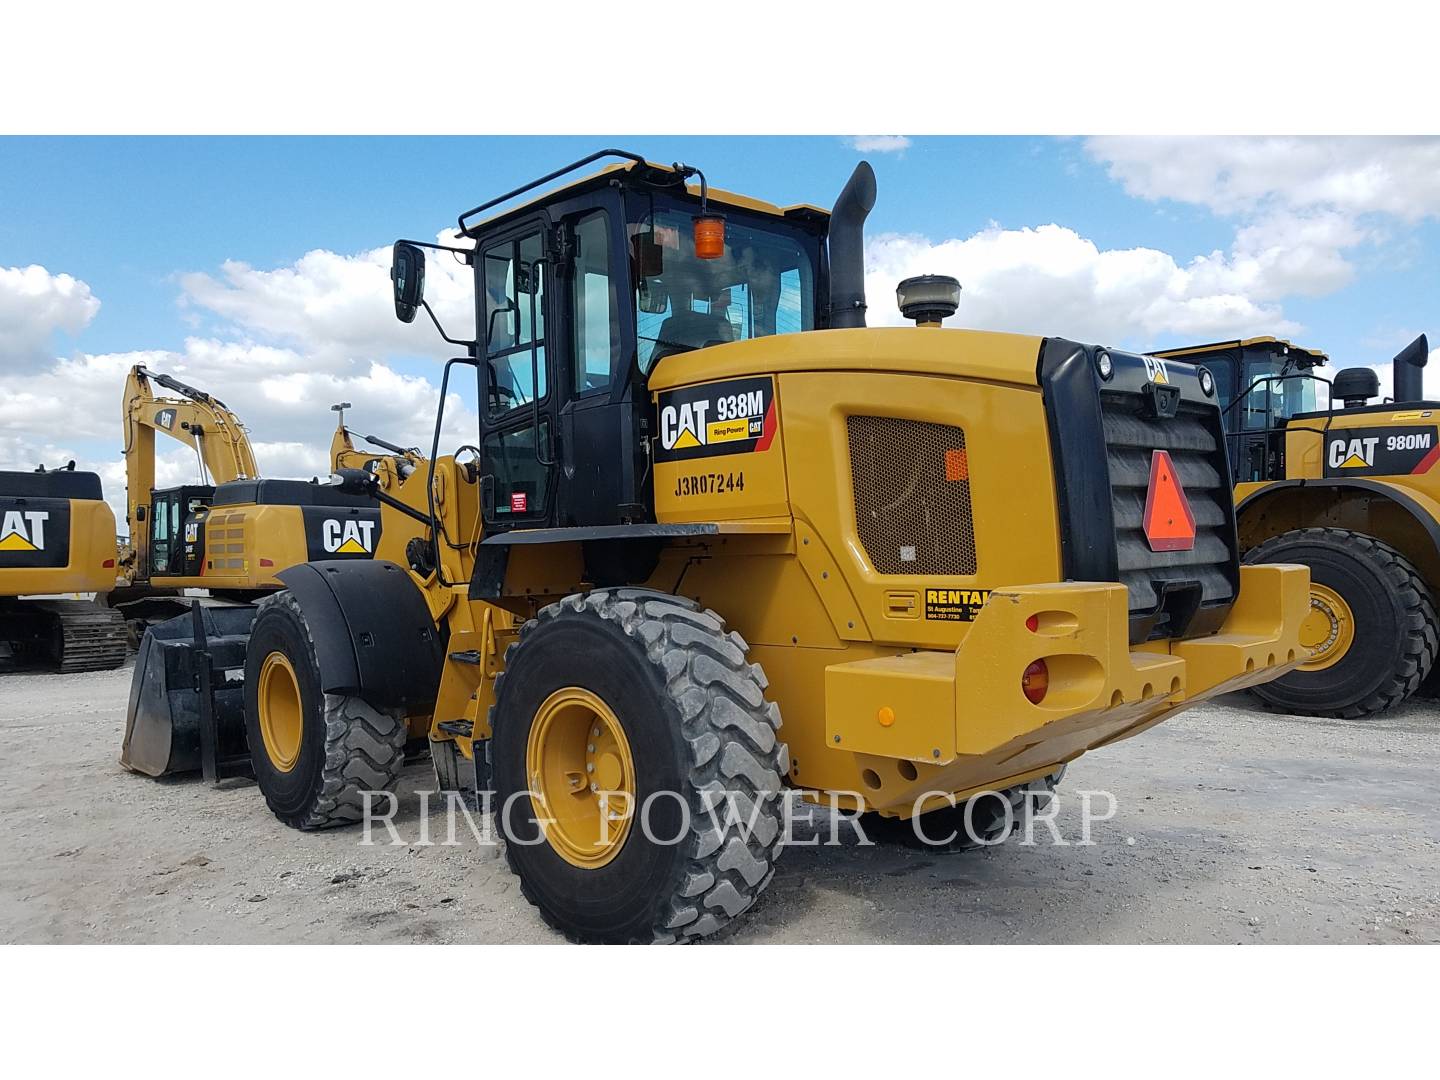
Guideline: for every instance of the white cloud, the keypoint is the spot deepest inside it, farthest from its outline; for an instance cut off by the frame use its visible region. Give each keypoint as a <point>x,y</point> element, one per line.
<point>34,304</point>
<point>1300,204</point>
<point>336,307</point>
<point>879,144</point>
<point>1051,280</point>
<point>1395,176</point>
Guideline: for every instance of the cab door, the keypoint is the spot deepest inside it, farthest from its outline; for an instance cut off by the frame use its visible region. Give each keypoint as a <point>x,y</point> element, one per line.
<point>517,384</point>
<point>166,547</point>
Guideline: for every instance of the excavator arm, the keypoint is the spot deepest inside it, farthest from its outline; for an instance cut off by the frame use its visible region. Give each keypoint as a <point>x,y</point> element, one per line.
<point>192,417</point>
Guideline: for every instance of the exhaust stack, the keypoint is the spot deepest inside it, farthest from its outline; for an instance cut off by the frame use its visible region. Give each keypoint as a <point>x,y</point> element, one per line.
<point>847,248</point>
<point>1409,370</point>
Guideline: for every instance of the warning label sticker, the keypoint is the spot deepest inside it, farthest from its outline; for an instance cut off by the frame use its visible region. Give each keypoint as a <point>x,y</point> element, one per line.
<point>954,605</point>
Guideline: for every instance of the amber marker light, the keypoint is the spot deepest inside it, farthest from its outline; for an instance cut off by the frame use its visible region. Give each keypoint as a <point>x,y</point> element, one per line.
<point>709,236</point>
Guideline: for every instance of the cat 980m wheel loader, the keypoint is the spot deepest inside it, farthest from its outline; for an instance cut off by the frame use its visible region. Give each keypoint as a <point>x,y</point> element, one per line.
<point>1349,487</point>
<point>703,496</point>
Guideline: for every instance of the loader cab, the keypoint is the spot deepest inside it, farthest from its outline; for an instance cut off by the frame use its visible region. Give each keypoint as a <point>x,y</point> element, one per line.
<point>177,546</point>
<point>579,294</point>
<point>1261,383</point>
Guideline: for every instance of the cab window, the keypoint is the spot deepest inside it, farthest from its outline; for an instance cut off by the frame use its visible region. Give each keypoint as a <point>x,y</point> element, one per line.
<point>515,322</point>
<point>596,327</point>
<point>763,284</point>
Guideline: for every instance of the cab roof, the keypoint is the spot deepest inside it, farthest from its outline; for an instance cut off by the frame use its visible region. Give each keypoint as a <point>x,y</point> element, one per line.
<point>649,172</point>
<point>1275,345</point>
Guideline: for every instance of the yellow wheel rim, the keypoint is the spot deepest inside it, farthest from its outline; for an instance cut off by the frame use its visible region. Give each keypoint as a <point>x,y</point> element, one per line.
<point>1328,630</point>
<point>281,718</point>
<point>582,777</point>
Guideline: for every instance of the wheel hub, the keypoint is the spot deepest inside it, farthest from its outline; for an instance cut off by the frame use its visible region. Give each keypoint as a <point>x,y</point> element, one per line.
<point>582,777</point>
<point>281,716</point>
<point>1328,630</point>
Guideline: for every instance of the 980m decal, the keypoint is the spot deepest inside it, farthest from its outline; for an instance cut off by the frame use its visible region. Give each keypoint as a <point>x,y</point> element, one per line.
<point>732,417</point>
<point>1381,451</point>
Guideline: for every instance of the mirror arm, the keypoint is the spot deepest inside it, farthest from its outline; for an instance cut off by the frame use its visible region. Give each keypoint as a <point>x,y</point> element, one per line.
<point>464,344</point>
<point>467,255</point>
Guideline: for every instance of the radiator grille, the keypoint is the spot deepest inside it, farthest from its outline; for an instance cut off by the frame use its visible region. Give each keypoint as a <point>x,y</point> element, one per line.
<point>912,495</point>
<point>1194,447</point>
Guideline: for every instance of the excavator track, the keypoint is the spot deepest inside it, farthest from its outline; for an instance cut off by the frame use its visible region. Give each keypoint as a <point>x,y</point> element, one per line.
<point>89,636</point>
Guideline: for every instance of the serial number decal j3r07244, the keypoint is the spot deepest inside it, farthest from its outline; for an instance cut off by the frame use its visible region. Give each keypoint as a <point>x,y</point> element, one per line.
<point>709,483</point>
<point>736,416</point>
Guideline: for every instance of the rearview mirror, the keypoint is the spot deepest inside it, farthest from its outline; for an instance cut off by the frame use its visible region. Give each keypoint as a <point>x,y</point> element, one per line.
<point>407,275</point>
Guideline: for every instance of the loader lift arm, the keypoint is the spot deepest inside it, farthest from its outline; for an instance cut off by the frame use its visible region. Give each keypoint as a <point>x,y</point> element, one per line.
<point>192,417</point>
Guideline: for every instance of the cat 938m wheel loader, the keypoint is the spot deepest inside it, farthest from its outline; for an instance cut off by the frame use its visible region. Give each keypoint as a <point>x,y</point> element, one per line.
<point>703,496</point>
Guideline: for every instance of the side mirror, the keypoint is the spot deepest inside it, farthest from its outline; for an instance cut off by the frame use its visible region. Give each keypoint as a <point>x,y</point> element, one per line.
<point>407,275</point>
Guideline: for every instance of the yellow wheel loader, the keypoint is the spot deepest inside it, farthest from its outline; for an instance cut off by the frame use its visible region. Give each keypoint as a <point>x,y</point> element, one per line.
<point>703,496</point>
<point>1349,489</point>
<point>57,536</point>
<point>229,534</point>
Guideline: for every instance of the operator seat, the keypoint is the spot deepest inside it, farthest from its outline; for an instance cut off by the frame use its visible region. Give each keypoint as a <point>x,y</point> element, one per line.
<point>686,331</point>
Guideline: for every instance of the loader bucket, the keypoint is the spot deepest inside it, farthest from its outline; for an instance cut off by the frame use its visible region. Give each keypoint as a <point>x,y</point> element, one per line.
<point>162,724</point>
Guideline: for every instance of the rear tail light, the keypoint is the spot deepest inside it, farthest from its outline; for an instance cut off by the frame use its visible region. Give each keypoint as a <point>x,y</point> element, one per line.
<point>108,564</point>
<point>1035,682</point>
<point>267,562</point>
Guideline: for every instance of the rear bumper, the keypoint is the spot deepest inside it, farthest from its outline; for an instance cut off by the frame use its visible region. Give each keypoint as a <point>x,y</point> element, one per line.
<point>964,723</point>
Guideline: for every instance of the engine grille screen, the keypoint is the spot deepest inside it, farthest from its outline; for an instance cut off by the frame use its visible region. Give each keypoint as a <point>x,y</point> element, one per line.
<point>912,495</point>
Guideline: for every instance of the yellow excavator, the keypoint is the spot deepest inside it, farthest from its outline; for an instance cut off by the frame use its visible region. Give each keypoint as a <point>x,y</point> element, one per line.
<point>230,533</point>
<point>57,537</point>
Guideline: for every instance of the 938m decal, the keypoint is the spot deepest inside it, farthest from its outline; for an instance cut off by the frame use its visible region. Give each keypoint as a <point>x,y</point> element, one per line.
<point>736,416</point>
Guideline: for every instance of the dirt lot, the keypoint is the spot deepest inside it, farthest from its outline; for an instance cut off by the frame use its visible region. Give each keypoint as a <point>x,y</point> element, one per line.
<point>1232,825</point>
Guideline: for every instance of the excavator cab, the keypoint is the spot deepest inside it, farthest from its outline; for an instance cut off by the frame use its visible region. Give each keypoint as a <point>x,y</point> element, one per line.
<point>176,527</point>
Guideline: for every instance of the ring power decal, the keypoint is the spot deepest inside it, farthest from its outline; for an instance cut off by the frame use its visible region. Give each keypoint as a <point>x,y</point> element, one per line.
<point>954,605</point>
<point>732,417</point>
<point>1381,451</point>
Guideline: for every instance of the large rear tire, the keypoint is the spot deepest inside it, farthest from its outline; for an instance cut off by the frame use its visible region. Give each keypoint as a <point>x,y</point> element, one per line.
<point>315,754</point>
<point>643,694</point>
<point>1371,625</point>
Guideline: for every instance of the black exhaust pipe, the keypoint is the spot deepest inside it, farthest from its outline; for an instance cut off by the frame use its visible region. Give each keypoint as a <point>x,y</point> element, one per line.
<point>847,248</point>
<point>1409,370</point>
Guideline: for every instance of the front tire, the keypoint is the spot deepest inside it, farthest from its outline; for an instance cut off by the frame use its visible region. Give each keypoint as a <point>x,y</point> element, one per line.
<point>1371,624</point>
<point>315,755</point>
<point>648,693</point>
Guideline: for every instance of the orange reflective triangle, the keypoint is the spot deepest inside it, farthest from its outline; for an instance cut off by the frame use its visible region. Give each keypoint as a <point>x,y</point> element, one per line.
<point>1169,525</point>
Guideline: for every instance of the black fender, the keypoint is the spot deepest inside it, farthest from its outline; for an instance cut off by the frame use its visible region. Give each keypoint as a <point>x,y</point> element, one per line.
<point>372,630</point>
<point>614,554</point>
<point>1404,500</point>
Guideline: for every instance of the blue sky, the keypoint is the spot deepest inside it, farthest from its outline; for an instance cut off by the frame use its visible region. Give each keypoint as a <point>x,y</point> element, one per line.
<point>1333,242</point>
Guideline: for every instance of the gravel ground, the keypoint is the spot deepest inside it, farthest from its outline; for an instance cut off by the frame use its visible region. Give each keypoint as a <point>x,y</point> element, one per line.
<point>1232,825</point>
